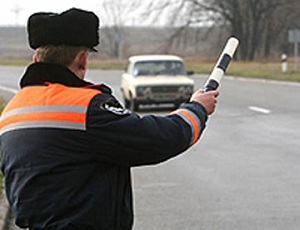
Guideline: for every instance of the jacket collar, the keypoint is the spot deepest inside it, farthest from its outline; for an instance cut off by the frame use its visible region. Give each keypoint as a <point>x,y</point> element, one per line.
<point>41,73</point>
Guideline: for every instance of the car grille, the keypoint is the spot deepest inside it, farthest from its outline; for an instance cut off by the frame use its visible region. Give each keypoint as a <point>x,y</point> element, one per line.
<point>164,89</point>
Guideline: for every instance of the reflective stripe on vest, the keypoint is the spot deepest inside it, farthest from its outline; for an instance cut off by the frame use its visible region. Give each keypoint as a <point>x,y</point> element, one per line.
<point>192,120</point>
<point>53,106</point>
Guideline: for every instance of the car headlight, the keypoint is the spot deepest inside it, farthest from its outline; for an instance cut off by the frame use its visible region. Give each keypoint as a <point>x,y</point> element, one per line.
<point>191,89</point>
<point>139,91</point>
<point>186,89</point>
<point>143,91</point>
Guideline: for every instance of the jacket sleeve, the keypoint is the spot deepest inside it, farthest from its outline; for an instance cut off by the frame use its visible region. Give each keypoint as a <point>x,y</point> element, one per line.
<point>126,138</point>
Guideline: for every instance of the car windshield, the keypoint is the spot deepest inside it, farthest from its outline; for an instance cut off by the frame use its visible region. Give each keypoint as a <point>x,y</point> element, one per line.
<point>159,68</point>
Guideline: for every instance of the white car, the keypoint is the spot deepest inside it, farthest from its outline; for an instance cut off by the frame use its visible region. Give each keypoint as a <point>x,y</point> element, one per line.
<point>155,79</point>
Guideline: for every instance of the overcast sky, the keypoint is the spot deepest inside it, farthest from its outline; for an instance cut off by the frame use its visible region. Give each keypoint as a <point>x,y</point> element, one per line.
<point>16,12</point>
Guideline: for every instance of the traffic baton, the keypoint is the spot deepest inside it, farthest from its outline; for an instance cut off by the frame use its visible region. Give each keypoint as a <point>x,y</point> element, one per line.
<point>217,74</point>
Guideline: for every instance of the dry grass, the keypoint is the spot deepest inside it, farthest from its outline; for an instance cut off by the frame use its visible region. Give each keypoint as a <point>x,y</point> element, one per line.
<point>256,69</point>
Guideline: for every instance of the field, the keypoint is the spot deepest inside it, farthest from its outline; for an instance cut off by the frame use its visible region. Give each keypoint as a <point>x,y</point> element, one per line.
<point>14,51</point>
<point>256,69</point>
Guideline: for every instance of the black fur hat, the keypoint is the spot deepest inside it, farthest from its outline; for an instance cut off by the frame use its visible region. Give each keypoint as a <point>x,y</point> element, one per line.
<point>74,27</point>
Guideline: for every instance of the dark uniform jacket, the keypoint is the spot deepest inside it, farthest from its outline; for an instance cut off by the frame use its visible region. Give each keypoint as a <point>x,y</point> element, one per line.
<point>68,146</point>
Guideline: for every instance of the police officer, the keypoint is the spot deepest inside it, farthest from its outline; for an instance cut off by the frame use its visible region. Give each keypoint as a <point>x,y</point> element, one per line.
<point>68,145</point>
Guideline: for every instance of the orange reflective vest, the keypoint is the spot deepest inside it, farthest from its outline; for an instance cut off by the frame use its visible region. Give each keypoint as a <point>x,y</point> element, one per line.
<point>53,106</point>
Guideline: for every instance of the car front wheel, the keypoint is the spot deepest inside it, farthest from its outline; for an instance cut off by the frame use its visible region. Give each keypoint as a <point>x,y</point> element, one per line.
<point>127,103</point>
<point>134,106</point>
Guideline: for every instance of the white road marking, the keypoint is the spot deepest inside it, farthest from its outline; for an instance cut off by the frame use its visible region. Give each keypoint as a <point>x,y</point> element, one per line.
<point>259,109</point>
<point>11,90</point>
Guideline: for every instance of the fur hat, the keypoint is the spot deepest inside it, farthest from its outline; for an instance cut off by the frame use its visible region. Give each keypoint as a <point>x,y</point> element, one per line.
<point>74,27</point>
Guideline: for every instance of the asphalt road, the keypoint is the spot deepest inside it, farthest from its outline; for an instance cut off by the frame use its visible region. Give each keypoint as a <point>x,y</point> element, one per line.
<point>243,173</point>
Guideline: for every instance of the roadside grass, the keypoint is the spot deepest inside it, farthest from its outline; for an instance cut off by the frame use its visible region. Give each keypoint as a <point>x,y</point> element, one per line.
<point>262,69</point>
<point>15,62</point>
<point>257,69</point>
<point>107,64</point>
<point>2,104</point>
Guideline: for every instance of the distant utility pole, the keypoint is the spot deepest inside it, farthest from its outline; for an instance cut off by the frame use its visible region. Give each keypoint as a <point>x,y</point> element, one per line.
<point>120,38</point>
<point>16,10</point>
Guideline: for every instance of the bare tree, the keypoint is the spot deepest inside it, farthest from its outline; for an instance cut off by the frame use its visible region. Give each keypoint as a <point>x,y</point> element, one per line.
<point>178,17</point>
<point>276,34</point>
<point>115,15</point>
<point>254,22</point>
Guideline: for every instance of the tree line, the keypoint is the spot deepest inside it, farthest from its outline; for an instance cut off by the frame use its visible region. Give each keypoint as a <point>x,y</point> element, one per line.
<point>261,25</point>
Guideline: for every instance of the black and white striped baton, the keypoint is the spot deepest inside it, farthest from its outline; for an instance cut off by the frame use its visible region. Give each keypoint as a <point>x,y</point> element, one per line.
<point>216,75</point>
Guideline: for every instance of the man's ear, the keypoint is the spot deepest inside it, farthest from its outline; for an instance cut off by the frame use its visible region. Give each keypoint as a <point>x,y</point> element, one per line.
<point>34,58</point>
<point>79,65</point>
<point>81,60</point>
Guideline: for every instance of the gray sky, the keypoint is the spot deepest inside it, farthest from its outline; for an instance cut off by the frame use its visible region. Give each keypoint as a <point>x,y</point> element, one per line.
<point>16,12</point>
